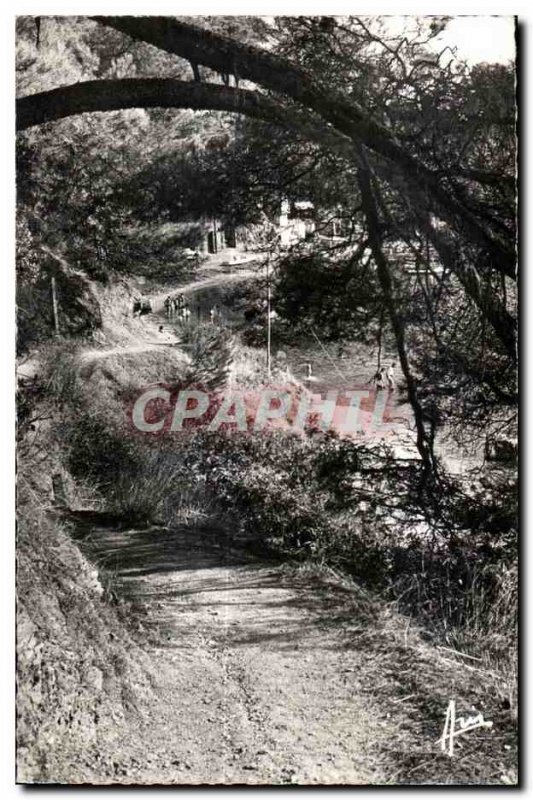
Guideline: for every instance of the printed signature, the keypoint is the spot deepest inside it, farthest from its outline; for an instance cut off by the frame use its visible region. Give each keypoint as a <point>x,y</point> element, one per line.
<point>456,726</point>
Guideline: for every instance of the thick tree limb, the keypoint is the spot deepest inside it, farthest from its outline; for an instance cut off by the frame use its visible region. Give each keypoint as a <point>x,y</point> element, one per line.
<point>228,56</point>
<point>114,95</point>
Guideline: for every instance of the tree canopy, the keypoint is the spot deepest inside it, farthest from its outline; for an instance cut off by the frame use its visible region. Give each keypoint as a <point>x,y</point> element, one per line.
<point>406,142</point>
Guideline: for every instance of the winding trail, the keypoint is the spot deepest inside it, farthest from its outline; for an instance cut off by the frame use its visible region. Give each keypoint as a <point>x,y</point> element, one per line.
<point>261,674</point>
<point>29,367</point>
<point>264,675</point>
<point>220,279</point>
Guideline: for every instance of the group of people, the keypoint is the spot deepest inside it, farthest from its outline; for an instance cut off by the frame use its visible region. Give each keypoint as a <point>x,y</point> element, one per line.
<point>385,374</point>
<point>177,308</point>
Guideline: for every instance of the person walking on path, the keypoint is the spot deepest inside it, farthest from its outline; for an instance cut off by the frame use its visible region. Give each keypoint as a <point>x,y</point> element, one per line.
<point>309,377</point>
<point>390,376</point>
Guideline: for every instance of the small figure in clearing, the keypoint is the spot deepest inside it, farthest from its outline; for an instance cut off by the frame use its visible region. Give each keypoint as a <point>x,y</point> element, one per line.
<point>309,377</point>
<point>390,376</point>
<point>213,314</point>
<point>160,330</point>
<point>186,313</point>
<point>168,307</point>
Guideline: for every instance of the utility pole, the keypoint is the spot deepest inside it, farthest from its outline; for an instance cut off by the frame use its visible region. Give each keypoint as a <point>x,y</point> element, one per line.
<point>54,306</point>
<point>380,334</point>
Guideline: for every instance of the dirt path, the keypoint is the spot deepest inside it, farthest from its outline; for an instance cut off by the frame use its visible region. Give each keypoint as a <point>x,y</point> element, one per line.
<point>220,279</point>
<point>148,337</point>
<point>258,677</point>
<point>267,675</point>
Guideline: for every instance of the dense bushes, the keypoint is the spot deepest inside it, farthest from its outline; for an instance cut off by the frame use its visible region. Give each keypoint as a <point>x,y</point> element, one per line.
<point>355,508</point>
<point>336,293</point>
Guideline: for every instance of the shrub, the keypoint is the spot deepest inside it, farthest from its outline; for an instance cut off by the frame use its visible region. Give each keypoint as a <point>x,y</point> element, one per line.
<point>340,503</point>
<point>211,352</point>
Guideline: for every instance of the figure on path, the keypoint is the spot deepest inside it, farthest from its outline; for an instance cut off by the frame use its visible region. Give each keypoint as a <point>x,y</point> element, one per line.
<point>390,376</point>
<point>309,377</point>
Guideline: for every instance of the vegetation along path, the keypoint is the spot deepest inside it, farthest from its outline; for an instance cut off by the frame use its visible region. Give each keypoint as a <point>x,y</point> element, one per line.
<point>269,675</point>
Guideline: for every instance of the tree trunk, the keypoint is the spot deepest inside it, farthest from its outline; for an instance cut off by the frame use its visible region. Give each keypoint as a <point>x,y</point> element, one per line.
<point>423,440</point>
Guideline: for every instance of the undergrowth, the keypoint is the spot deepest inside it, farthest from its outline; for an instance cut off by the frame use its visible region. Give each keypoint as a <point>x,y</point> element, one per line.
<point>446,557</point>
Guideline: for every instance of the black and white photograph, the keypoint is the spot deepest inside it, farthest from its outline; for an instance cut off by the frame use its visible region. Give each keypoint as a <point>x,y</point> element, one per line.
<point>266,399</point>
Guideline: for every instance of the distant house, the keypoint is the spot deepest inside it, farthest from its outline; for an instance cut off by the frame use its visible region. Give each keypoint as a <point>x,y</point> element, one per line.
<point>295,222</point>
<point>217,237</point>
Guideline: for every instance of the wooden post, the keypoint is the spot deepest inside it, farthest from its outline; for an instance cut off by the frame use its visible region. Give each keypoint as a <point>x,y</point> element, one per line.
<point>54,306</point>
